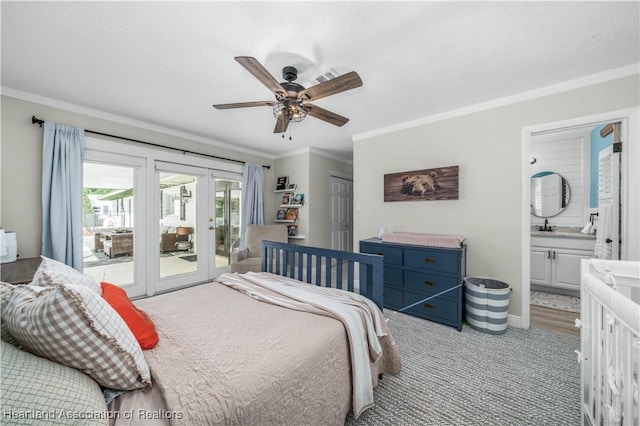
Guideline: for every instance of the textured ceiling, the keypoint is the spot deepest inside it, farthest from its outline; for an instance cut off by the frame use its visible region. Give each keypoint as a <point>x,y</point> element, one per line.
<point>166,63</point>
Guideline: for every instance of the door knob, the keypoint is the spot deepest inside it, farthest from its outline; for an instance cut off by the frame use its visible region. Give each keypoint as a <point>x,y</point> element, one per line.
<point>211,228</point>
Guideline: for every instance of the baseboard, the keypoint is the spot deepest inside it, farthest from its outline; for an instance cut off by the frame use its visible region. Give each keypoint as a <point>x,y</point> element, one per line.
<point>514,321</point>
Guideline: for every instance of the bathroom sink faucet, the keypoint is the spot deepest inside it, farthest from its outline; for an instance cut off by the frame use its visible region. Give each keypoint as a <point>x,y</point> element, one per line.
<point>546,227</point>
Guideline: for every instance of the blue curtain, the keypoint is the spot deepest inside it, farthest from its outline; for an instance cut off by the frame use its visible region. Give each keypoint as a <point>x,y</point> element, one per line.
<point>252,198</point>
<point>62,161</point>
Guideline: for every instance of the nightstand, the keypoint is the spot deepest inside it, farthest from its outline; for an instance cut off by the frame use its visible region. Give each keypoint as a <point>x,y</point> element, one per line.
<point>21,271</point>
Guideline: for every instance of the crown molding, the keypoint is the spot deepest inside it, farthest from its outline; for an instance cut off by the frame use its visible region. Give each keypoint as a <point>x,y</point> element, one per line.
<point>316,151</point>
<point>520,97</point>
<point>54,103</point>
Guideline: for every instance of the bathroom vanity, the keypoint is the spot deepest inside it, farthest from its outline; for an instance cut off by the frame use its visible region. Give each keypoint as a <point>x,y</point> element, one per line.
<point>555,259</point>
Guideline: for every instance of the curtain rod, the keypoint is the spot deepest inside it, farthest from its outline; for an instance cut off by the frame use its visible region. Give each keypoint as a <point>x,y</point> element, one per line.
<point>35,120</point>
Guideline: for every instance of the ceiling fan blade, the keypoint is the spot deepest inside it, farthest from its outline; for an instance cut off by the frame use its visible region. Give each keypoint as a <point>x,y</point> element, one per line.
<point>328,116</point>
<point>254,67</point>
<point>245,104</point>
<point>339,84</point>
<point>281,124</point>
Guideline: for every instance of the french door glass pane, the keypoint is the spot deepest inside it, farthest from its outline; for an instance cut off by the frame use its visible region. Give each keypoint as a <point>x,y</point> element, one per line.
<point>109,222</point>
<point>178,224</point>
<point>228,214</point>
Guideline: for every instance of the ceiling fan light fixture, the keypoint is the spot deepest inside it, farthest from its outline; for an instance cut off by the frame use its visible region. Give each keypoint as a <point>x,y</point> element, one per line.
<point>291,97</point>
<point>294,111</point>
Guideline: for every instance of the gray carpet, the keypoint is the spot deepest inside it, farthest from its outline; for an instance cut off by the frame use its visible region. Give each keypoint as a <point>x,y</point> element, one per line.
<point>523,377</point>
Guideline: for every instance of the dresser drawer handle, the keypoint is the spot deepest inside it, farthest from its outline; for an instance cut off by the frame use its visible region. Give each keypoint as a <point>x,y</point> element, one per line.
<point>428,283</point>
<point>429,260</point>
<point>429,305</point>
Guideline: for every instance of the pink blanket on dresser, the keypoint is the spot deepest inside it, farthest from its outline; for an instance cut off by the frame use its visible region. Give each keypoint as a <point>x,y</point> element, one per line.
<point>224,357</point>
<point>431,240</point>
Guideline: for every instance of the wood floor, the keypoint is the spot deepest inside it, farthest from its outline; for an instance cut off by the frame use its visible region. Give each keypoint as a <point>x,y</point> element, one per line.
<point>554,319</point>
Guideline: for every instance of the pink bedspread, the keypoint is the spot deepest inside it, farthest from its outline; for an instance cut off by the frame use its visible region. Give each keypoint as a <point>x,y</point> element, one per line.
<point>224,358</point>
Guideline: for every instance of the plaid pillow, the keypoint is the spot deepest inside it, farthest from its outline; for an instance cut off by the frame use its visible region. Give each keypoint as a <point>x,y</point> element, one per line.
<point>5,292</point>
<point>74,326</point>
<point>32,385</point>
<point>51,272</point>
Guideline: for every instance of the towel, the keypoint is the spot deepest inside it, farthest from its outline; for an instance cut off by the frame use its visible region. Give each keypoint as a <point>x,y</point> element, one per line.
<point>603,249</point>
<point>587,228</point>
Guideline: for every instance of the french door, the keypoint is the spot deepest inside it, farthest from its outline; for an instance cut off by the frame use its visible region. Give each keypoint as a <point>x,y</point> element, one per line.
<point>183,239</point>
<point>153,224</point>
<point>114,212</point>
<point>199,215</point>
<point>227,215</point>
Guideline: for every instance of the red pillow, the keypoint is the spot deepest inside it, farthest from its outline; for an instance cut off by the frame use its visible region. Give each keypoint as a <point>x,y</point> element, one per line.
<point>136,319</point>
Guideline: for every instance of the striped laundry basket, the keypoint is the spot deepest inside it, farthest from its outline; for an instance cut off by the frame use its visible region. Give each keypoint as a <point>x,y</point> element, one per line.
<point>486,304</point>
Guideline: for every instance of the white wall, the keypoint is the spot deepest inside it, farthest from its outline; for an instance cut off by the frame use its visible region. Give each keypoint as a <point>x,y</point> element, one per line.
<point>487,147</point>
<point>320,188</point>
<point>566,157</point>
<point>310,170</point>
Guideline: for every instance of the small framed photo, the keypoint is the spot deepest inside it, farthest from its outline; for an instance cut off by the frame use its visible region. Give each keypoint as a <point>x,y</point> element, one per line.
<point>281,214</point>
<point>292,186</point>
<point>291,214</point>
<point>282,183</point>
<point>287,198</point>
<point>298,199</point>
<point>292,230</point>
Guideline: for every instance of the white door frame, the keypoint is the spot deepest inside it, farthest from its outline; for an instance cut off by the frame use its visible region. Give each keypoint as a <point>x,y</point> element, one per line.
<point>527,132</point>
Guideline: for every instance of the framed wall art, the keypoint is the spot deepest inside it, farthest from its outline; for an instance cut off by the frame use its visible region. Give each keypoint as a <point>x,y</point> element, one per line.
<point>419,185</point>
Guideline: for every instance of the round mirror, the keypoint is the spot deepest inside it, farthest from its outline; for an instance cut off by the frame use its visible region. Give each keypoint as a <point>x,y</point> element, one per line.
<point>550,194</point>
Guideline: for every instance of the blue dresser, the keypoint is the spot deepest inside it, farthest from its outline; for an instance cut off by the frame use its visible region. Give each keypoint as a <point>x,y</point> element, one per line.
<point>413,273</point>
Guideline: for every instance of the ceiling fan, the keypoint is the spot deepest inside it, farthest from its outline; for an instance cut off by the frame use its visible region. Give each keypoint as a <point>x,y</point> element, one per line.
<point>292,99</point>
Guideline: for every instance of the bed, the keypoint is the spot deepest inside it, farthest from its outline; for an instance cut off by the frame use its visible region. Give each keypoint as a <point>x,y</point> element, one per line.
<point>277,366</point>
<point>265,348</point>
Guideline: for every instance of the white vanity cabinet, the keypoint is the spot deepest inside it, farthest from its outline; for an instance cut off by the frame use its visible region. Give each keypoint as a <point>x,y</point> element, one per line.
<point>555,260</point>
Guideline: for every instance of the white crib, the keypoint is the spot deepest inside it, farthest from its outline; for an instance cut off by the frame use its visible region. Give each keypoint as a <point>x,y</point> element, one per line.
<point>610,342</point>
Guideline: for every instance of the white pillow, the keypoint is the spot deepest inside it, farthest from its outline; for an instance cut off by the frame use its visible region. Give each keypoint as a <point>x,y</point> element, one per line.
<point>31,384</point>
<point>51,272</point>
<point>75,326</point>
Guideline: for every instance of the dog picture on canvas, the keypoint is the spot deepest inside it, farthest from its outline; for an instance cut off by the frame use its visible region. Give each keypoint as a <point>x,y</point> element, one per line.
<point>418,185</point>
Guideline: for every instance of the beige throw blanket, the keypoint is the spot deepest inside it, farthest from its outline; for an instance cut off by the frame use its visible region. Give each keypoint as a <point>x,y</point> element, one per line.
<point>361,318</point>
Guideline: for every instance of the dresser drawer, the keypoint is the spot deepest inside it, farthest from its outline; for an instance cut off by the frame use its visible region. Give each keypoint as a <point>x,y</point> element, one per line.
<point>436,308</point>
<point>392,255</point>
<point>430,283</point>
<point>393,276</point>
<point>392,298</point>
<point>434,260</point>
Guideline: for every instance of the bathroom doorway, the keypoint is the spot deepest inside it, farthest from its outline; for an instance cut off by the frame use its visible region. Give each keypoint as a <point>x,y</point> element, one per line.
<point>550,262</point>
